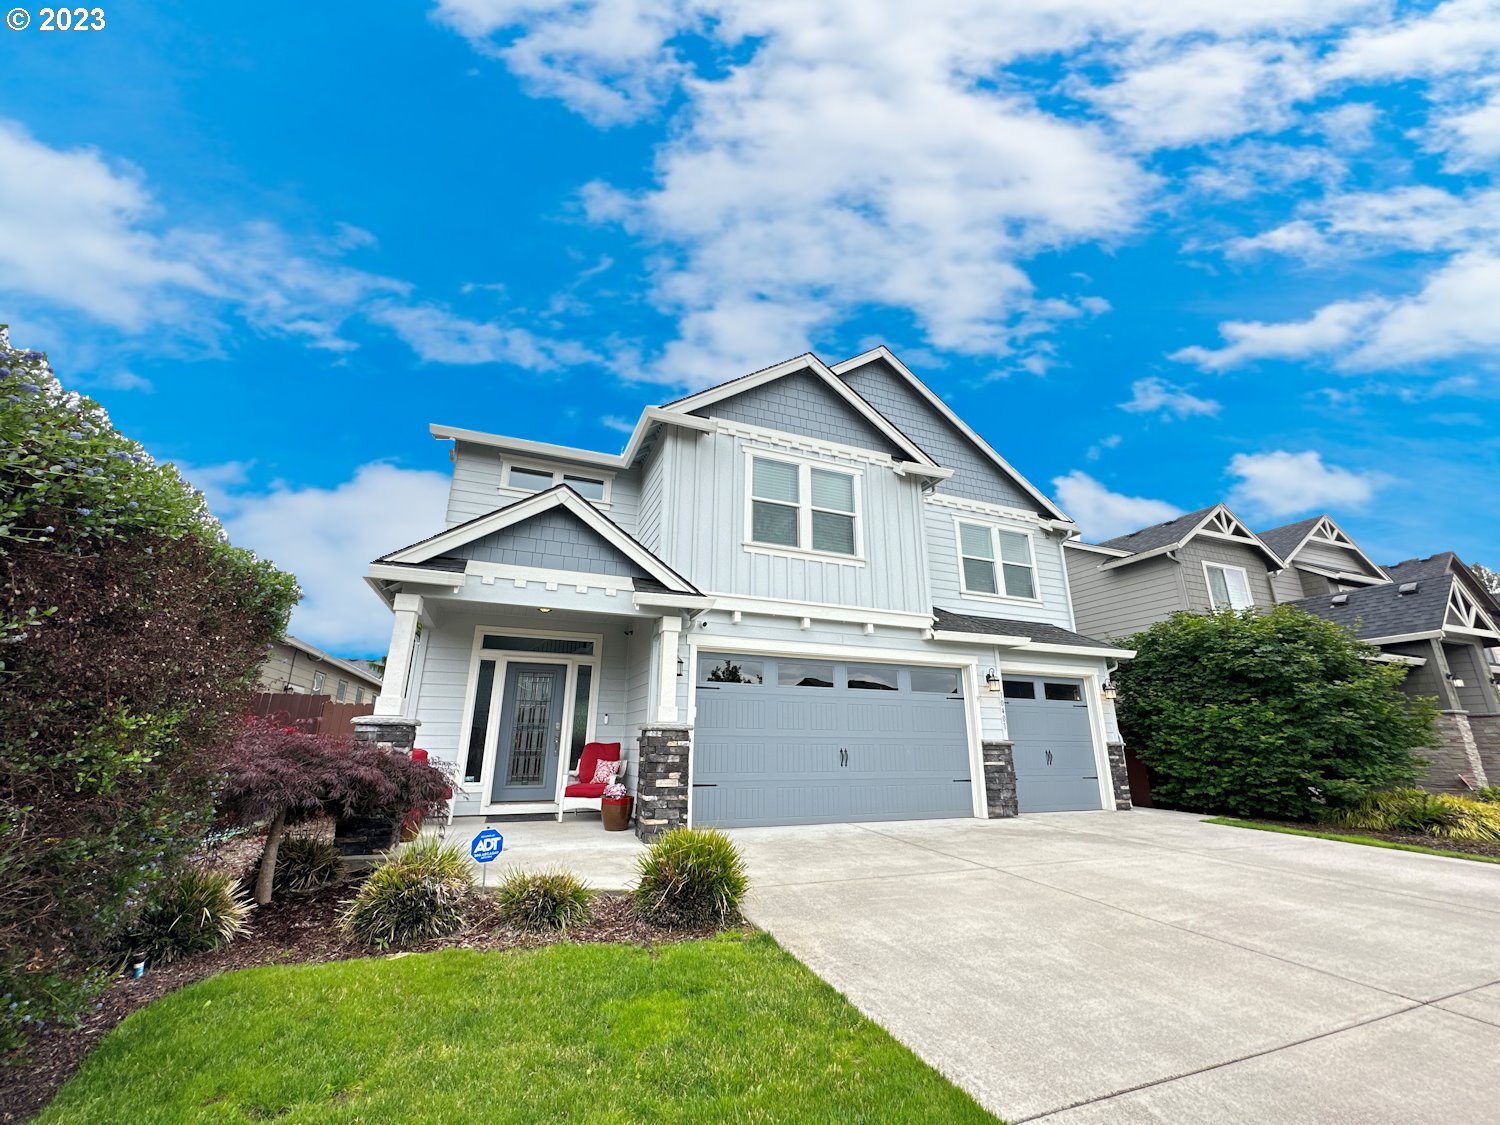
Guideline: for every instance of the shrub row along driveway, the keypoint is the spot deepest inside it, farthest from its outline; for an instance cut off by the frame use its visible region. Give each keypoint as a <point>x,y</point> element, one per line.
<point>1145,966</point>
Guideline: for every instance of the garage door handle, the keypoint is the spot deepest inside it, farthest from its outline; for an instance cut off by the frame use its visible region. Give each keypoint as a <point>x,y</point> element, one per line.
<point>1049,757</point>
<point>843,757</point>
<point>705,785</point>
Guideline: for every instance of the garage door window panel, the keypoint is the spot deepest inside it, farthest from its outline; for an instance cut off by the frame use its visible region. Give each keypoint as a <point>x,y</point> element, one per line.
<point>874,677</point>
<point>937,681</point>
<point>1063,693</point>
<point>1019,689</point>
<point>730,670</point>
<point>804,675</point>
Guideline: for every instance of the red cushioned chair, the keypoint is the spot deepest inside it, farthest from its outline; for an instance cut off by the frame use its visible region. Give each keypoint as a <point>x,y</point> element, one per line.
<point>589,794</point>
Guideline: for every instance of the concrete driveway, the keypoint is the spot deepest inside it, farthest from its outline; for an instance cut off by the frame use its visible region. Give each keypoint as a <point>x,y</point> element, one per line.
<point>1144,966</point>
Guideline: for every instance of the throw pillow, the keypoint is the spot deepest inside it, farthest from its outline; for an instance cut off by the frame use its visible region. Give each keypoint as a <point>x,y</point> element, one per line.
<point>605,771</point>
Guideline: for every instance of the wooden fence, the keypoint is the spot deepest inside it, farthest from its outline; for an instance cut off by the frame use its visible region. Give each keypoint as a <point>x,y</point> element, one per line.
<point>316,714</point>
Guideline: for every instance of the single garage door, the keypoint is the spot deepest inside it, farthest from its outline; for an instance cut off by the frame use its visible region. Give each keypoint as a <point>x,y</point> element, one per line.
<point>784,741</point>
<point>1048,721</point>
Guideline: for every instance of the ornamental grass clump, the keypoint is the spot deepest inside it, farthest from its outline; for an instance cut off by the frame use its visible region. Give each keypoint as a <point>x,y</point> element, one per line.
<point>544,900</point>
<point>1416,813</point>
<point>420,891</point>
<point>304,864</point>
<point>691,877</point>
<point>194,911</point>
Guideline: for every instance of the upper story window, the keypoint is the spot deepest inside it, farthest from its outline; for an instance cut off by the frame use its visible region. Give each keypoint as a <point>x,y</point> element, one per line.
<point>995,562</point>
<point>1228,586</point>
<point>803,507</point>
<point>535,478</point>
<point>318,678</point>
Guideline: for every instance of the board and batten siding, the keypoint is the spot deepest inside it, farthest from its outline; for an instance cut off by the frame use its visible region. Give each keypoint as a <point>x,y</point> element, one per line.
<point>1200,549</point>
<point>704,523</point>
<point>943,570</point>
<point>476,486</point>
<point>1117,603</point>
<point>445,687</point>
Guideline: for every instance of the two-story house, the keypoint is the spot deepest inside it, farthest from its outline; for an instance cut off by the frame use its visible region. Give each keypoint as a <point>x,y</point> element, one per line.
<point>292,665</point>
<point>1431,615</point>
<point>811,594</point>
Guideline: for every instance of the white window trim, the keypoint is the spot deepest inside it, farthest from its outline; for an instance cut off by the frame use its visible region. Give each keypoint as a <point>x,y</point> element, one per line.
<point>994,528</point>
<point>557,471</point>
<point>805,466</point>
<point>1245,574</point>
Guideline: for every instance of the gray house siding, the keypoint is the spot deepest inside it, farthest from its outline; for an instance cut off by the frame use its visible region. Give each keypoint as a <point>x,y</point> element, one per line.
<point>1201,549</point>
<point>1116,603</point>
<point>475,489</point>
<point>653,486</point>
<point>1425,680</point>
<point>802,404</point>
<point>976,477</point>
<point>943,564</point>
<point>704,522</point>
<point>555,540</point>
<point>1290,584</point>
<point>1329,557</point>
<point>1466,661</point>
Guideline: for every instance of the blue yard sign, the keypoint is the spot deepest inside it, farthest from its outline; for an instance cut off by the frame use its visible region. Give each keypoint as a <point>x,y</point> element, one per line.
<point>486,846</point>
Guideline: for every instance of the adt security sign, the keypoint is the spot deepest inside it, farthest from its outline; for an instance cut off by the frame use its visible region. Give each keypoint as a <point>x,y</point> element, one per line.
<point>486,846</point>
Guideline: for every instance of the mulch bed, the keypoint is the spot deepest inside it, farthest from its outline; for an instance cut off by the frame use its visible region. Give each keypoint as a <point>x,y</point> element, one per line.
<point>1473,847</point>
<point>296,929</point>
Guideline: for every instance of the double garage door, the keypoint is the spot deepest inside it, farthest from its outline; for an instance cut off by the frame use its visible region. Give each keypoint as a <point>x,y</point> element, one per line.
<point>792,741</point>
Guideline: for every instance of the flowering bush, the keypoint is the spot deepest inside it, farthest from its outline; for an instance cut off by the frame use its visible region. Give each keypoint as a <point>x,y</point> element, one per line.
<point>131,632</point>
<point>614,791</point>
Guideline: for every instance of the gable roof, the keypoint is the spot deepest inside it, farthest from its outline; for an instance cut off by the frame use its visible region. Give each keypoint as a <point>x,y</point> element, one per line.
<point>1446,562</point>
<point>926,393</point>
<point>558,496</point>
<point>1218,522</point>
<point>369,675</point>
<point>814,366</point>
<point>1289,539</point>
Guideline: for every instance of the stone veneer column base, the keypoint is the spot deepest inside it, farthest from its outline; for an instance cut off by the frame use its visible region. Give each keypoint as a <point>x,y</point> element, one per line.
<point>1456,753</point>
<point>1000,779</point>
<point>1486,731</point>
<point>390,732</point>
<point>1119,776</point>
<point>663,775</point>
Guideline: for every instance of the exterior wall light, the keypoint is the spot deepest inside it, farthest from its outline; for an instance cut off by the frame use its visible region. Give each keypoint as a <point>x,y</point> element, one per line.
<point>1109,691</point>
<point>991,681</point>
<point>1456,681</point>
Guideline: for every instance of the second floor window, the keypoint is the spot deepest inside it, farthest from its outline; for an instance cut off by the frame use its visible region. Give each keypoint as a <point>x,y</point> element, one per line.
<point>995,562</point>
<point>318,678</point>
<point>1228,587</point>
<point>343,690</point>
<point>803,507</point>
<point>529,479</point>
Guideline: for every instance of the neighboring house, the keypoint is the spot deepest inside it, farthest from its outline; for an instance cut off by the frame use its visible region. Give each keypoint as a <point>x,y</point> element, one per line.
<point>1197,563</point>
<point>293,665</point>
<point>1320,558</point>
<point>1437,618</point>
<point>812,594</point>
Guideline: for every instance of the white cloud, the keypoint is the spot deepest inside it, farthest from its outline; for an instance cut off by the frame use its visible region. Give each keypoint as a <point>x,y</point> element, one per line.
<point>327,537</point>
<point>440,336</point>
<point>1280,483</point>
<point>1461,35</point>
<point>1469,133</point>
<point>618,424</point>
<point>125,381</point>
<point>1152,395</point>
<point>1332,328</point>
<point>1102,514</point>
<point>1453,315</point>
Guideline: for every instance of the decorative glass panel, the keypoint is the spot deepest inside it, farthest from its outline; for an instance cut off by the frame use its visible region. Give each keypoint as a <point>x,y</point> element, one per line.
<point>774,523</point>
<point>832,490</point>
<point>587,487</point>
<point>1019,689</point>
<point>872,677</point>
<point>775,480</point>
<point>804,675</point>
<point>1064,693</point>
<point>832,532</point>
<point>939,681</point>
<point>484,689</point>
<point>530,728</point>
<point>565,645</point>
<point>580,714</point>
<point>529,479</point>
<point>975,540</point>
<point>979,576</point>
<point>1018,581</point>
<point>729,670</point>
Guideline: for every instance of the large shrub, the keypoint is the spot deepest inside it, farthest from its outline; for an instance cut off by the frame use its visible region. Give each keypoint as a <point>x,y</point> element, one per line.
<point>1267,714</point>
<point>543,900</point>
<point>282,775</point>
<point>193,911</point>
<point>132,633</point>
<point>691,877</point>
<point>304,863</point>
<point>420,891</point>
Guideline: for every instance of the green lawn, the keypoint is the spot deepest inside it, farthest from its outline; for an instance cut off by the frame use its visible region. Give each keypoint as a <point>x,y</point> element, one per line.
<point>731,1028</point>
<point>1367,841</point>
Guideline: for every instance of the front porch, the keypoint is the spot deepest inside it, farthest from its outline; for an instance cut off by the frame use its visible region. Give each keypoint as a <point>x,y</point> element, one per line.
<point>605,861</point>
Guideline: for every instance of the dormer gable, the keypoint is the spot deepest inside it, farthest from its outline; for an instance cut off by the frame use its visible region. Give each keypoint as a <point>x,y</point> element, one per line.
<point>1217,522</point>
<point>1318,545</point>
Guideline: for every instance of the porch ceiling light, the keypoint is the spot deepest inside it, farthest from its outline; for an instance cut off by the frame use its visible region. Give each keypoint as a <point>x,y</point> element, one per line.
<point>544,609</point>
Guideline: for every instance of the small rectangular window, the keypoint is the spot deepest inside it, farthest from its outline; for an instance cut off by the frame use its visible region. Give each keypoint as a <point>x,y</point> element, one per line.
<point>587,487</point>
<point>872,677</point>
<point>1228,587</point>
<point>1064,693</point>
<point>531,480</point>
<point>804,675</point>
<point>729,670</point>
<point>484,688</point>
<point>939,681</point>
<point>562,645</point>
<point>318,678</point>
<point>342,690</point>
<point>1019,689</point>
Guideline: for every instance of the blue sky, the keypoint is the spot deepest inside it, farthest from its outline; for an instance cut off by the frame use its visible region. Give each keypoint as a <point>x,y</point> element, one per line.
<point>1159,252</point>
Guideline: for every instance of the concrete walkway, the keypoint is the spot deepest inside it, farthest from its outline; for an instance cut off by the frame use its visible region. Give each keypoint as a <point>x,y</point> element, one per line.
<point>606,861</point>
<point>1147,967</point>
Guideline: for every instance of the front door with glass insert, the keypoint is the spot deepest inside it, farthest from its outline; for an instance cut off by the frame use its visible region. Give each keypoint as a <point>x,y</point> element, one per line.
<point>530,732</point>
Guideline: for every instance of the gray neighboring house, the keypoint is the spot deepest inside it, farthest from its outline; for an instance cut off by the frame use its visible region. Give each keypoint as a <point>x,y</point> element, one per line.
<point>293,665</point>
<point>812,594</point>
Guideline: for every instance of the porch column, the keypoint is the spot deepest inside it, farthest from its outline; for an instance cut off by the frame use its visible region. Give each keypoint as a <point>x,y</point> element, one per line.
<point>668,634</point>
<point>392,701</point>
